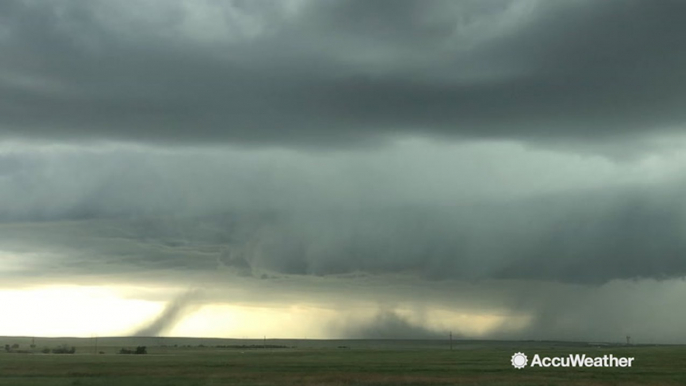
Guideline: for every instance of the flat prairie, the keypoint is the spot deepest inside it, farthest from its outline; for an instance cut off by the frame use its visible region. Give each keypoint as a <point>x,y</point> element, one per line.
<point>195,362</point>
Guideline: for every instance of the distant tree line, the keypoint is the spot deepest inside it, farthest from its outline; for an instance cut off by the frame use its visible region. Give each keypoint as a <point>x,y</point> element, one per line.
<point>252,346</point>
<point>63,349</point>
<point>138,351</point>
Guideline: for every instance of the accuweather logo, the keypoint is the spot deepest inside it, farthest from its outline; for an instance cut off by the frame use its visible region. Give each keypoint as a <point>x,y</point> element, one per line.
<point>520,360</point>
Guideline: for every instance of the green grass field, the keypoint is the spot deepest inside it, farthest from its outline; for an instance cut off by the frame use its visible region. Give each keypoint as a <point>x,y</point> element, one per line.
<point>324,363</point>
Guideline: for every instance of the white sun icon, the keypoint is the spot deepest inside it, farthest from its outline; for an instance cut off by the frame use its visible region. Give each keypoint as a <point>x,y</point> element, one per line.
<point>519,360</point>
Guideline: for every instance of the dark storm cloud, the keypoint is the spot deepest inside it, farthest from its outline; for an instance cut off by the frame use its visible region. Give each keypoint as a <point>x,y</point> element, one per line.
<point>338,72</point>
<point>590,238</point>
<point>277,213</point>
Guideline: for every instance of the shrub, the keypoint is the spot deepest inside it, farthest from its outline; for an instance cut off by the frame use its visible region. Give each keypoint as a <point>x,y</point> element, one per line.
<point>139,350</point>
<point>64,349</point>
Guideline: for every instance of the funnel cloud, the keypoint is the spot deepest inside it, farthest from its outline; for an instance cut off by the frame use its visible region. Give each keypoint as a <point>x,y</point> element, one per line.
<point>172,313</point>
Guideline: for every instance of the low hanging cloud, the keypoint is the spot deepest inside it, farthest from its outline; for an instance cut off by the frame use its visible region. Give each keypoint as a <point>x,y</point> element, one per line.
<point>591,238</point>
<point>270,214</point>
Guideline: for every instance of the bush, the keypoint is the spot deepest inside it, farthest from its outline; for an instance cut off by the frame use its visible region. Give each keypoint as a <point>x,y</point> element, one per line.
<point>64,349</point>
<point>139,350</point>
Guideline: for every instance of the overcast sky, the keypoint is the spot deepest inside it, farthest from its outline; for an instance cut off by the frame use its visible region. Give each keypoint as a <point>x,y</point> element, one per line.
<point>365,168</point>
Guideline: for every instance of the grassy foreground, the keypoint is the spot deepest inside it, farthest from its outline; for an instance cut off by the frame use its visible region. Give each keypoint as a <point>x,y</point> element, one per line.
<point>326,364</point>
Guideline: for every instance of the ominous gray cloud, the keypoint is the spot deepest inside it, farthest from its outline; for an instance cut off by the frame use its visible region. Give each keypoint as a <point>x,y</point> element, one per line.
<point>275,191</point>
<point>337,72</point>
<point>619,236</point>
<point>272,214</point>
